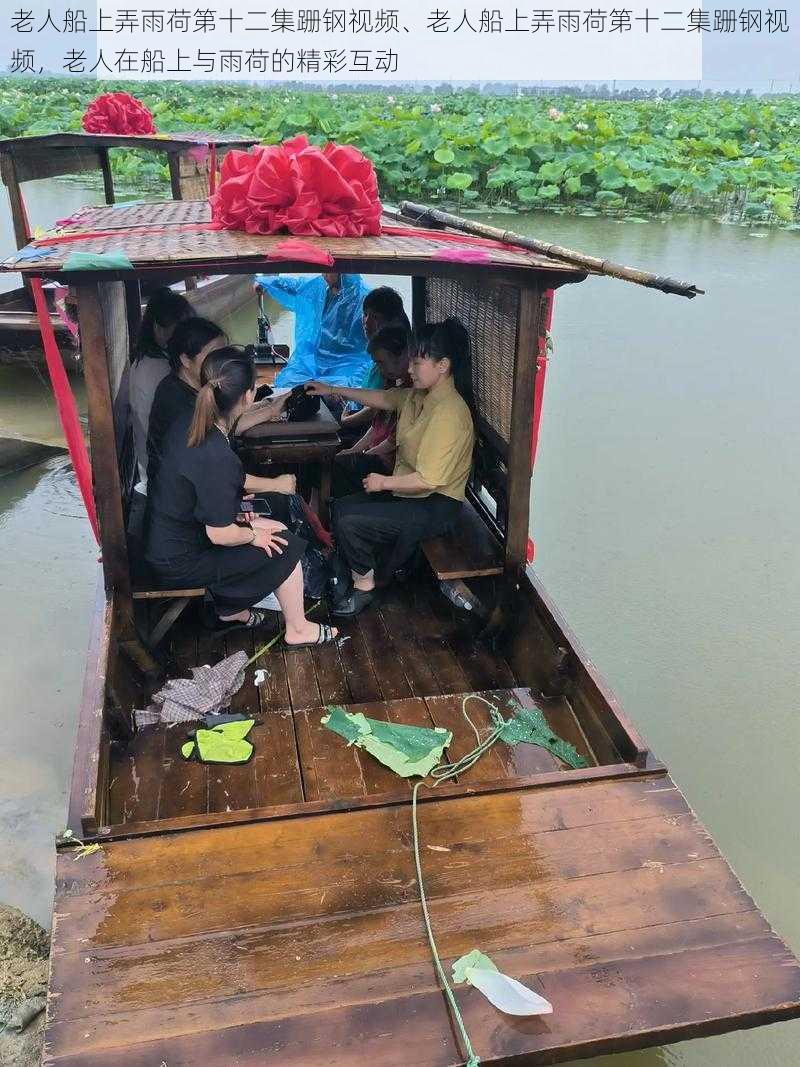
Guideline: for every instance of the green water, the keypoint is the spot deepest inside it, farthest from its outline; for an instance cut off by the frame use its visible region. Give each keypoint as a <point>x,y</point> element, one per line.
<point>665,513</point>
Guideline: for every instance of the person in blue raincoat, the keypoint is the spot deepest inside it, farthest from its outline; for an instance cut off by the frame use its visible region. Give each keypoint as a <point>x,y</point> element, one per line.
<point>329,340</point>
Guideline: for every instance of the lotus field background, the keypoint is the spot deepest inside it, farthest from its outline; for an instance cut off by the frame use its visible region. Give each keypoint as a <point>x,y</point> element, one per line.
<point>735,157</point>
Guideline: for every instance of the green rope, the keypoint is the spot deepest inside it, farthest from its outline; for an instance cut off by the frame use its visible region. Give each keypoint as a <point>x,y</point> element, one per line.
<point>274,640</point>
<point>526,725</point>
<point>472,1059</point>
<point>441,774</point>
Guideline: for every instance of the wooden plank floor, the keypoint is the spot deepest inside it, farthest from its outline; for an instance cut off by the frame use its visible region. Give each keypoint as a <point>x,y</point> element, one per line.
<point>405,658</point>
<point>299,942</point>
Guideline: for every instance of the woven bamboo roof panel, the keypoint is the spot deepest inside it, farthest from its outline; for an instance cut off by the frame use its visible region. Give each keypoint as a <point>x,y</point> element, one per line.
<point>128,216</point>
<point>162,236</point>
<point>490,314</point>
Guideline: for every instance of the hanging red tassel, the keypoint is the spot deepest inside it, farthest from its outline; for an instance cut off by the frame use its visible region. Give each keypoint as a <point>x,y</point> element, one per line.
<point>65,403</point>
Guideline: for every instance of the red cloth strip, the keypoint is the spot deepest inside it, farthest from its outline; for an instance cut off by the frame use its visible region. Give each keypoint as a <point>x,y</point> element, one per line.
<point>211,227</point>
<point>314,522</point>
<point>65,403</point>
<point>538,388</point>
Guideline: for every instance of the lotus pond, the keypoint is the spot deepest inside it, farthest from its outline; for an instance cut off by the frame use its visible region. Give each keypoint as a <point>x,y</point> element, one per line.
<point>735,157</point>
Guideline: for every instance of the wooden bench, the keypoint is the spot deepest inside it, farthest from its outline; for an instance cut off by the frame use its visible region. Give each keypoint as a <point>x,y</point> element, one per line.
<point>469,551</point>
<point>179,601</point>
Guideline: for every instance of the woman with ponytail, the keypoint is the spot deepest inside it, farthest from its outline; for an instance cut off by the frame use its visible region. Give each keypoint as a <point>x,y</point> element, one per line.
<point>197,534</point>
<point>150,365</point>
<point>424,494</point>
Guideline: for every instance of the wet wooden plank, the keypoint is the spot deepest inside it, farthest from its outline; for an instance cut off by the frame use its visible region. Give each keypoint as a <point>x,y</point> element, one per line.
<point>362,681</point>
<point>136,777</point>
<point>369,935</point>
<point>276,771</point>
<point>628,1003</point>
<point>184,789</point>
<point>331,768</point>
<point>275,894</point>
<point>331,677</point>
<point>397,612</point>
<point>433,639</point>
<point>483,667</point>
<point>468,820</point>
<point>383,655</point>
<point>276,766</point>
<point>302,679</point>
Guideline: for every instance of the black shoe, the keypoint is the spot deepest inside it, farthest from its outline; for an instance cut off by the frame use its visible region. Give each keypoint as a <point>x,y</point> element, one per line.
<point>354,603</point>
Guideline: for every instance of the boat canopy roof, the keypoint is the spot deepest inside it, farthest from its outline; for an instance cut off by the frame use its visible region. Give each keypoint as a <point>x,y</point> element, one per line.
<point>162,142</point>
<point>179,238</point>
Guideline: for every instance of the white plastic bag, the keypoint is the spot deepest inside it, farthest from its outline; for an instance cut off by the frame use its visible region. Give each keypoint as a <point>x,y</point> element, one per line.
<point>505,993</point>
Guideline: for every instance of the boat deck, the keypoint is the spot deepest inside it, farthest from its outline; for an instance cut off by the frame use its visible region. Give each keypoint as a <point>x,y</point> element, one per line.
<point>406,659</point>
<point>299,942</point>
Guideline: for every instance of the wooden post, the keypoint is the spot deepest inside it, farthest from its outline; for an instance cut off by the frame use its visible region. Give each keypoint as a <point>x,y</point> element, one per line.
<point>176,184</point>
<point>108,180</point>
<point>174,160</point>
<point>418,293</point>
<point>133,309</point>
<point>105,469</point>
<point>519,449</point>
<point>9,174</point>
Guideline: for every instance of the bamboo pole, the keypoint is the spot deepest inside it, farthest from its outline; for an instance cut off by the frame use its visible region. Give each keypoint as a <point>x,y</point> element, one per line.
<point>421,214</point>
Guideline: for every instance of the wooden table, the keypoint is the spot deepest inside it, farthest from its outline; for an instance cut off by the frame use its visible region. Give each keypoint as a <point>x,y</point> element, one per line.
<point>294,444</point>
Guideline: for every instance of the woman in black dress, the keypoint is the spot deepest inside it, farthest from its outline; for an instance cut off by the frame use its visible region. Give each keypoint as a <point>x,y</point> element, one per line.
<point>197,534</point>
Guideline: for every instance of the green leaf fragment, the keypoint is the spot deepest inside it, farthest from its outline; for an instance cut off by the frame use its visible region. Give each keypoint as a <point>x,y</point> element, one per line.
<point>474,960</point>
<point>528,725</point>
<point>407,750</point>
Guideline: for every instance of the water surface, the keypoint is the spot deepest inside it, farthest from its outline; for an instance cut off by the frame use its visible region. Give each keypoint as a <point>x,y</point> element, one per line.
<point>665,514</point>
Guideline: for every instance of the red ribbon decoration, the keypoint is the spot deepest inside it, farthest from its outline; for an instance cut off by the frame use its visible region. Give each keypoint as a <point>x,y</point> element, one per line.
<point>298,188</point>
<point>117,113</point>
<point>65,404</point>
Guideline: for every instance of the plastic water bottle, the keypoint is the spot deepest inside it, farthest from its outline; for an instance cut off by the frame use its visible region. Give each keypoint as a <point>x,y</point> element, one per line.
<point>459,595</point>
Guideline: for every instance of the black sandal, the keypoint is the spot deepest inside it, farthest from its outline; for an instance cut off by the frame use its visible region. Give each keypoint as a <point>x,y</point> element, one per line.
<point>354,603</point>
<point>256,618</point>
<point>324,637</point>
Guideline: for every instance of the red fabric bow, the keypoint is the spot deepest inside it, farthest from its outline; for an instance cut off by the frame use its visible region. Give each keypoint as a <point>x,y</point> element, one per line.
<point>117,113</point>
<point>298,188</point>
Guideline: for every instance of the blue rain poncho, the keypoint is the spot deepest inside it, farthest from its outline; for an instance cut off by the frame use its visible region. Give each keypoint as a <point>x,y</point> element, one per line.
<point>329,340</point>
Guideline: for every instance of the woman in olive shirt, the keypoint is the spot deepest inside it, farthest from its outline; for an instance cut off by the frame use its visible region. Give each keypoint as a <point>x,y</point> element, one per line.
<point>424,494</point>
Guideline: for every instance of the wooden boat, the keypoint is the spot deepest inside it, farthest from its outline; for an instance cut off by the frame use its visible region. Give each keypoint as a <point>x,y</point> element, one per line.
<point>24,159</point>
<point>269,913</point>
